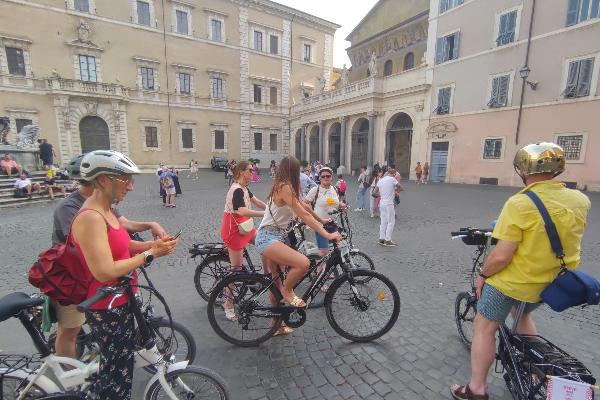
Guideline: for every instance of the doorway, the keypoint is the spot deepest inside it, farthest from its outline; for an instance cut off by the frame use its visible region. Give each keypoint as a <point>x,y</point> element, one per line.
<point>94,134</point>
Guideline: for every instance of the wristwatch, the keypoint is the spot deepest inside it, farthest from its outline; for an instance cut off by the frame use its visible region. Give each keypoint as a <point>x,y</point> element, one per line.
<point>148,258</point>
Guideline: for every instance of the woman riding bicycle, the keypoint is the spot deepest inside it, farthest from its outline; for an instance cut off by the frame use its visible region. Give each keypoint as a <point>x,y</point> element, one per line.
<point>283,204</point>
<point>105,249</point>
<point>237,211</point>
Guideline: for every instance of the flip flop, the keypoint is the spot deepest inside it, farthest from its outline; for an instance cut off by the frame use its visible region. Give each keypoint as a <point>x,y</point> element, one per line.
<point>230,314</point>
<point>283,330</point>
<point>464,393</point>
<point>296,302</point>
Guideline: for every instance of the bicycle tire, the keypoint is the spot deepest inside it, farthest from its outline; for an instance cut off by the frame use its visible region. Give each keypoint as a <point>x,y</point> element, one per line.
<point>245,297</point>
<point>213,385</point>
<point>10,384</point>
<point>367,286</point>
<point>209,272</point>
<point>306,283</point>
<point>182,336</point>
<point>465,309</point>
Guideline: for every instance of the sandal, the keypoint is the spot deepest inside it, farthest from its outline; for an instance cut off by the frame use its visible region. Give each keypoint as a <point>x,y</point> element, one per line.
<point>464,393</point>
<point>296,302</point>
<point>230,314</point>
<point>283,330</point>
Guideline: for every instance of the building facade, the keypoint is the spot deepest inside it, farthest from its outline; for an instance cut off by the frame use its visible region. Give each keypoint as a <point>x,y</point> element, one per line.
<point>507,73</point>
<point>160,80</point>
<point>374,113</point>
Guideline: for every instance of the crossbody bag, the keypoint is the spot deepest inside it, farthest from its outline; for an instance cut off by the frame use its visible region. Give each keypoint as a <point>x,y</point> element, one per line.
<point>569,288</point>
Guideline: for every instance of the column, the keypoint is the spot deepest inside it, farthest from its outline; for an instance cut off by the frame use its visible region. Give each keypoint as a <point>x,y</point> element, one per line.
<point>343,143</point>
<point>321,127</point>
<point>307,144</point>
<point>371,139</point>
<point>303,143</point>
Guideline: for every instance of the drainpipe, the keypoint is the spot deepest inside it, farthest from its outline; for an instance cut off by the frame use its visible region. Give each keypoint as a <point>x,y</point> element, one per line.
<point>167,80</point>
<point>524,76</point>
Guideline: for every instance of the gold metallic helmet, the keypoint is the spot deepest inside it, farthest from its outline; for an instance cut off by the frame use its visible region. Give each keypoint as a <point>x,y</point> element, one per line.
<point>539,158</point>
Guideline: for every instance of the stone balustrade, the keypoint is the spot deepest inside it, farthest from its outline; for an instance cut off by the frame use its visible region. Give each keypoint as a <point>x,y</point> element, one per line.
<point>94,88</point>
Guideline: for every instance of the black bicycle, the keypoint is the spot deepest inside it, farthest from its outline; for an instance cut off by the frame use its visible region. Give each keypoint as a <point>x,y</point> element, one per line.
<point>361,305</point>
<point>526,361</point>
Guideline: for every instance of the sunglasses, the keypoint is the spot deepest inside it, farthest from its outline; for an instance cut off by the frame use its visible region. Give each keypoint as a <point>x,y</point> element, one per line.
<point>124,181</point>
<point>325,176</point>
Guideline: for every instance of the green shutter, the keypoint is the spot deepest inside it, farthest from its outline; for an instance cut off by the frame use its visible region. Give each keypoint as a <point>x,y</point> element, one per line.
<point>585,77</point>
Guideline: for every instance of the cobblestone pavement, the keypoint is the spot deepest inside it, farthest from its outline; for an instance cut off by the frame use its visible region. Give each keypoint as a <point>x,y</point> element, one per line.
<point>418,359</point>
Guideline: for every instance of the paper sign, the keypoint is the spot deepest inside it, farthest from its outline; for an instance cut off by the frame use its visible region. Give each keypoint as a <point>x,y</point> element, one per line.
<point>565,389</point>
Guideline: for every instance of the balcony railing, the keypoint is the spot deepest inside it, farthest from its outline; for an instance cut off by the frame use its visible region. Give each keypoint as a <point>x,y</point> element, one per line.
<point>96,88</point>
<point>405,81</point>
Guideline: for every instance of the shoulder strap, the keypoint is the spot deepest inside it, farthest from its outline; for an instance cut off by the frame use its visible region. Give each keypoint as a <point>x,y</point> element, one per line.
<point>314,202</point>
<point>549,225</point>
<point>69,236</point>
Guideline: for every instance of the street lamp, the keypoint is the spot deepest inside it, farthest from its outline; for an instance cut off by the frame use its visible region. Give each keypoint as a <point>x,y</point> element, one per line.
<point>524,73</point>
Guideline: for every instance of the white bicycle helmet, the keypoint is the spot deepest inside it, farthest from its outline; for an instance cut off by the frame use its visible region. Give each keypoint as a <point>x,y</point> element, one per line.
<point>106,162</point>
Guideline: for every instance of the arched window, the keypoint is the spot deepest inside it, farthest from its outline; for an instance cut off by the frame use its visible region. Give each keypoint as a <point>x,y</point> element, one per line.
<point>388,67</point>
<point>409,61</point>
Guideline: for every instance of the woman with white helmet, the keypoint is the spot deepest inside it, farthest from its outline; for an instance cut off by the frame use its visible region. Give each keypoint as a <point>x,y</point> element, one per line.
<point>105,248</point>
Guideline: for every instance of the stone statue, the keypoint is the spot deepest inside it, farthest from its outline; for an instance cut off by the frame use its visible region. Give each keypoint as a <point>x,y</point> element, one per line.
<point>4,129</point>
<point>28,136</point>
<point>83,31</point>
<point>344,75</point>
<point>322,83</point>
<point>373,65</point>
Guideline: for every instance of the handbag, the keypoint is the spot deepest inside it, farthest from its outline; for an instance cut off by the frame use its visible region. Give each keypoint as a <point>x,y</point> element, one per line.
<point>569,288</point>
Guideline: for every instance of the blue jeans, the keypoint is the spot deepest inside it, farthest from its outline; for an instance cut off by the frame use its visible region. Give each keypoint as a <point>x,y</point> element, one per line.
<point>360,197</point>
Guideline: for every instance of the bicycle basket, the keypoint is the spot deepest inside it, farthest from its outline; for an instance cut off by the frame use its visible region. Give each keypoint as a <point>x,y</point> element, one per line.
<point>13,362</point>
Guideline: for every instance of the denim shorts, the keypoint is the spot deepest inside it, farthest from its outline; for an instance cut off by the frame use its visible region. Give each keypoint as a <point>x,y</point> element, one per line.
<point>495,305</point>
<point>266,236</point>
<point>322,243</point>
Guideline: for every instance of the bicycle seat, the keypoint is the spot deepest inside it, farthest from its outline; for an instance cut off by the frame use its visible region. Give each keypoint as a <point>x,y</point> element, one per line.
<point>15,302</point>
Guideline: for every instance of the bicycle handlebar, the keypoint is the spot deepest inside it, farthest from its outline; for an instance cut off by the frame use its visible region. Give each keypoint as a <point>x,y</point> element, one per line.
<point>466,232</point>
<point>100,294</point>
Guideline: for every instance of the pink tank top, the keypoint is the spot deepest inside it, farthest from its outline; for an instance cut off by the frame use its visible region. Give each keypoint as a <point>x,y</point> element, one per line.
<point>118,240</point>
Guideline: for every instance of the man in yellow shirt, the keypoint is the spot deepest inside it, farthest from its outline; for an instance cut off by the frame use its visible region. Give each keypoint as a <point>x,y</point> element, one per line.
<point>523,263</point>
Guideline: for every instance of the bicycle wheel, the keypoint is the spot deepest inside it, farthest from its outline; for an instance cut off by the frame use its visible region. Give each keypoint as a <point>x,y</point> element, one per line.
<point>192,382</point>
<point>362,309</point>
<point>182,345</point>
<point>465,308</point>
<point>248,293</point>
<point>302,286</point>
<point>209,272</point>
<point>12,387</point>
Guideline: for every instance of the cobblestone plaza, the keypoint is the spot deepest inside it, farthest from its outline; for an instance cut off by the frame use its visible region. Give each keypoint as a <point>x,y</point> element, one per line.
<point>418,359</point>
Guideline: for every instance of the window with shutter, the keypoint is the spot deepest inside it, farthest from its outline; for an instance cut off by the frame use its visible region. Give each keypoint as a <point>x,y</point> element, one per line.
<point>273,95</point>
<point>582,10</point>
<point>258,37</point>
<point>257,141</point>
<point>579,78</point>
<point>184,83</point>
<point>16,61</point>
<point>151,136</point>
<point>216,30</point>
<point>82,5</point>
<point>257,94</point>
<point>143,13</point>
<point>217,88</point>
<point>187,138</point>
<point>443,101</point>
<point>307,53</point>
<point>506,28</point>
<point>499,94</point>
<point>219,140</point>
<point>273,142</point>
<point>447,48</point>
<point>492,149</point>
<point>446,5</point>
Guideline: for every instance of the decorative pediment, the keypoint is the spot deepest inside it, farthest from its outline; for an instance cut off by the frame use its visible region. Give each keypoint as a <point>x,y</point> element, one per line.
<point>441,130</point>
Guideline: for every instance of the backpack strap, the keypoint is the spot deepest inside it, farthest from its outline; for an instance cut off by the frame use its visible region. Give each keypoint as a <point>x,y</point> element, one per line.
<point>550,227</point>
<point>314,202</point>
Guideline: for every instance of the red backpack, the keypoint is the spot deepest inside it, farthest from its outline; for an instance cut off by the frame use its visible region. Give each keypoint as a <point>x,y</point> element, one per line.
<point>342,186</point>
<point>59,273</point>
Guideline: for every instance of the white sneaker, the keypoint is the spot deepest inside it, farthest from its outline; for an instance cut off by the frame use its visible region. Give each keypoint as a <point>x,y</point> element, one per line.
<point>358,209</point>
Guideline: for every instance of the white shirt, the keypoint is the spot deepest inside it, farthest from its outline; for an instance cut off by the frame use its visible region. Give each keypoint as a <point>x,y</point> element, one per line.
<point>22,183</point>
<point>327,201</point>
<point>387,190</point>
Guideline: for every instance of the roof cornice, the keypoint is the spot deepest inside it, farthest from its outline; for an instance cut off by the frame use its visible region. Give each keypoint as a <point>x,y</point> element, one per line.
<point>290,13</point>
<point>362,21</point>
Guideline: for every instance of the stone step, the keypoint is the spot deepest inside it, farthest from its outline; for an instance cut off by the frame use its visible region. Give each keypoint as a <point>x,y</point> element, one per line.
<point>18,202</point>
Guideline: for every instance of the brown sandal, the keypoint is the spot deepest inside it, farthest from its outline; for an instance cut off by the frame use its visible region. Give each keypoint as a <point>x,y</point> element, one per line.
<point>464,393</point>
<point>283,330</point>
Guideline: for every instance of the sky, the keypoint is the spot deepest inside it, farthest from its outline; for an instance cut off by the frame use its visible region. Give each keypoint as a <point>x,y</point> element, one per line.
<point>347,13</point>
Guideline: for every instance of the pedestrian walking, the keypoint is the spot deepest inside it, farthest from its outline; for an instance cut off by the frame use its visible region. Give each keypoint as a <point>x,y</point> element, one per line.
<point>255,173</point>
<point>374,197</point>
<point>363,185</point>
<point>47,154</point>
<point>419,173</point>
<point>425,172</point>
<point>176,181</point>
<point>387,187</point>
<point>166,181</point>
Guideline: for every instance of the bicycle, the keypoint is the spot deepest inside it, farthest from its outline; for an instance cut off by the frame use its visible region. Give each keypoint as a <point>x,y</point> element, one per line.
<point>170,335</point>
<point>526,361</point>
<point>353,296</point>
<point>466,302</point>
<point>171,378</point>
